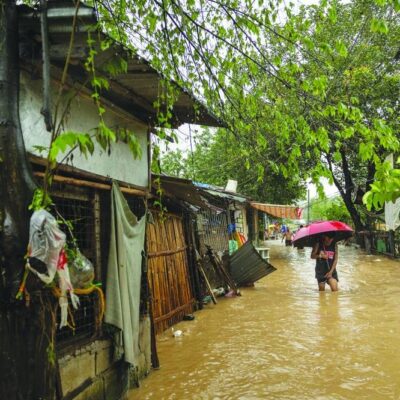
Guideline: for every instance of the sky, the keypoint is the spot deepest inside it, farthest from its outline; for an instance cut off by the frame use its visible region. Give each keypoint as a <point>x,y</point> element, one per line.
<point>330,190</point>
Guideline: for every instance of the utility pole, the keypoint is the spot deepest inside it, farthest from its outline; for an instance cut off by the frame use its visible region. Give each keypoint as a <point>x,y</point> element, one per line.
<point>308,206</point>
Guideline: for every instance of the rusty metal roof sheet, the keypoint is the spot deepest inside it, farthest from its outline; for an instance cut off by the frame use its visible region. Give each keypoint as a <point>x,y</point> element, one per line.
<point>247,266</point>
<point>135,91</point>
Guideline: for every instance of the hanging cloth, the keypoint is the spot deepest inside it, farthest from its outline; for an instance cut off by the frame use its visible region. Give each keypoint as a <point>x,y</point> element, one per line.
<point>392,209</point>
<point>392,213</point>
<point>124,276</point>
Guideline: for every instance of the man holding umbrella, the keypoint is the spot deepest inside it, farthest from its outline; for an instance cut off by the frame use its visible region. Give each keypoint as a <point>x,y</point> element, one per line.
<point>325,251</point>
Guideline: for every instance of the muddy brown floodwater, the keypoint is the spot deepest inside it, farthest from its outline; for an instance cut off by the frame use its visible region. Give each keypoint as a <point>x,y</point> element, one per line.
<point>284,340</point>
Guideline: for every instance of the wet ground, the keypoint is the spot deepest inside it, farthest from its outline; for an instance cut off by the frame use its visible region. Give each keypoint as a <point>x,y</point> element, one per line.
<point>284,340</point>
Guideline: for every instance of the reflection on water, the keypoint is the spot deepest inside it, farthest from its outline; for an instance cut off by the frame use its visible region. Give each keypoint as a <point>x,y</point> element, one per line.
<point>285,340</point>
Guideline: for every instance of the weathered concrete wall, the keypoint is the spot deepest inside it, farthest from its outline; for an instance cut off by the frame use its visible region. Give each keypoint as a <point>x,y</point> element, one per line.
<point>91,373</point>
<point>83,117</point>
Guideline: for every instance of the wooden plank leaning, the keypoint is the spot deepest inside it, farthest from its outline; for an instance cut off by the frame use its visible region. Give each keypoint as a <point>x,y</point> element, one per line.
<point>201,269</point>
<point>218,265</point>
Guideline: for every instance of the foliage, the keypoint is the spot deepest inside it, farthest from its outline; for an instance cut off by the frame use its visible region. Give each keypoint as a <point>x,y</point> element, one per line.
<point>386,187</point>
<point>216,159</point>
<point>325,209</point>
<point>304,92</point>
<point>40,200</point>
<point>175,163</point>
<point>317,85</point>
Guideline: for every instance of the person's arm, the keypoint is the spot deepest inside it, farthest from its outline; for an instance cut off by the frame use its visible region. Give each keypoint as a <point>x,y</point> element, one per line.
<point>315,251</point>
<point>335,259</point>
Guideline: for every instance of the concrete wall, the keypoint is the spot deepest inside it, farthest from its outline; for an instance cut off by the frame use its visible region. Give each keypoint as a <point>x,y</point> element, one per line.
<point>83,117</point>
<point>91,373</point>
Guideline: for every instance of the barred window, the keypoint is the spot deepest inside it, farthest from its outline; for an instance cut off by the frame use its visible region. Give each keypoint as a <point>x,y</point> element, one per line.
<point>77,207</point>
<point>87,218</point>
<point>213,230</point>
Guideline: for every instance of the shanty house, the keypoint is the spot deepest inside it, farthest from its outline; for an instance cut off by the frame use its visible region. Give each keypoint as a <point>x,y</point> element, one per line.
<point>228,216</point>
<point>89,364</point>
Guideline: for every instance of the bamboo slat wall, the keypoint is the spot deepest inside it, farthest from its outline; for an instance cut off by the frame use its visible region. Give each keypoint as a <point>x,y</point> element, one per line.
<point>168,272</point>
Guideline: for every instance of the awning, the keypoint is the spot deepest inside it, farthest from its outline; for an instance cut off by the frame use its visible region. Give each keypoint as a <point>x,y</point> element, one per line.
<point>279,211</point>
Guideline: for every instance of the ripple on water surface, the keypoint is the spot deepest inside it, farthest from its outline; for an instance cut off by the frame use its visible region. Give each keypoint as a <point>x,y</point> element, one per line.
<point>284,340</point>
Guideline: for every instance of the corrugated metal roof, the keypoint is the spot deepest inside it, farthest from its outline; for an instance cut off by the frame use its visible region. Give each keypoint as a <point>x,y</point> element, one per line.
<point>279,211</point>
<point>247,266</point>
<point>229,196</point>
<point>182,189</point>
<point>134,91</point>
<point>212,191</point>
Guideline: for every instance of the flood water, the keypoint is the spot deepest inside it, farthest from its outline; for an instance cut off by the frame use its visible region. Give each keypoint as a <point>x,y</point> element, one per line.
<point>283,339</point>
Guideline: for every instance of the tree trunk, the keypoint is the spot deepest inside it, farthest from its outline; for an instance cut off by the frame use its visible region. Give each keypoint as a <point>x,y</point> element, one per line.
<point>345,192</point>
<point>25,332</point>
<point>355,216</point>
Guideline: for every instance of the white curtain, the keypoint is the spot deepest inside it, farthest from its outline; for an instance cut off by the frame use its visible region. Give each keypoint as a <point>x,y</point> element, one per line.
<point>392,209</point>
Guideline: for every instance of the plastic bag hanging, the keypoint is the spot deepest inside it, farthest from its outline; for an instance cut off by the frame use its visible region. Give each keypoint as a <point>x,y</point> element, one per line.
<point>46,240</point>
<point>64,282</point>
<point>81,271</point>
<point>46,244</point>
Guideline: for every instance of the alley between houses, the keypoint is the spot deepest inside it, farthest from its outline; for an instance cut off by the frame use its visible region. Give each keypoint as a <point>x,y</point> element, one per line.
<point>283,339</point>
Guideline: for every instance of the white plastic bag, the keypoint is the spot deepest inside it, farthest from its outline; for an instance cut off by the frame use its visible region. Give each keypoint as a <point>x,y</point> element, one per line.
<point>46,240</point>
<point>46,243</point>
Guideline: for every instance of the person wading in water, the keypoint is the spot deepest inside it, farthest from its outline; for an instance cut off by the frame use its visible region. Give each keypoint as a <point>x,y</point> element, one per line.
<point>287,235</point>
<point>325,251</point>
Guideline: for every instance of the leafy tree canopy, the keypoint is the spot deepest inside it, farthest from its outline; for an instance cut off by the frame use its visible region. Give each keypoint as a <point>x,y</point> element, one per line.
<point>215,160</point>
<point>324,209</point>
<point>309,91</point>
<point>319,84</point>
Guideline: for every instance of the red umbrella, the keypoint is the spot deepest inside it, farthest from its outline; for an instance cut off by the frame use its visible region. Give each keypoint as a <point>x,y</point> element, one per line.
<point>310,234</point>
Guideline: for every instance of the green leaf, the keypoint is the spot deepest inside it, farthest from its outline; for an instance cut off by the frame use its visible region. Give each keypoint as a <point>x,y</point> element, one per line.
<point>341,48</point>
<point>332,14</point>
<point>40,200</point>
<point>100,83</point>
<point>366,150</point>
<point>379,26</point>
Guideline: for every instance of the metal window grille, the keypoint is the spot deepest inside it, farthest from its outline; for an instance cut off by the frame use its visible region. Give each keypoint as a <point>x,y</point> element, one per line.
<point>397,243</point>
<point>213,230</point>
<point>77,208</point>
<point>79,212</point>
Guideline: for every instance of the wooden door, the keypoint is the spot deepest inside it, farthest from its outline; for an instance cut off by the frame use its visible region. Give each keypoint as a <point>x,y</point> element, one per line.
<point>168,271</point>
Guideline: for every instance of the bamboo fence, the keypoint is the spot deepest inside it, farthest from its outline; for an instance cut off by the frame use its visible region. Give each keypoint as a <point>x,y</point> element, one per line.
<point>168,271</point>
